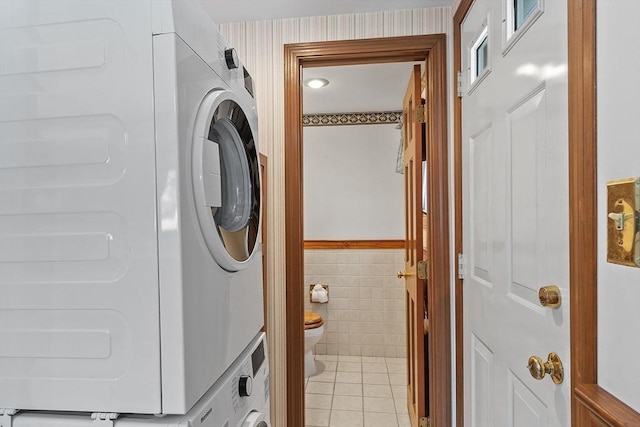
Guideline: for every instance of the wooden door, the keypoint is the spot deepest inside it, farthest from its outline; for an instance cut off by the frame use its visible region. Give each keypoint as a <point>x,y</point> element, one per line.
<point>413,137</point>
<point>515,211</point>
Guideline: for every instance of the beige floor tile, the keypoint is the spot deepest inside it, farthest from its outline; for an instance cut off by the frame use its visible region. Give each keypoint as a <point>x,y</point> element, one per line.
<point>396,360</point>
<point>346,389</point>
<point>377,390</point>
<point>325,377</point>
<point>372,359</point>
<point>349,377</point>
<point>374,367</point>
<point>379,404</point>
<point>372,419</point>
<point>327,357</point>
<point>399,391</point>
<point>320,388</point>
<point>322,365</point>
<point>347,403</point>
<point>317,401</point>
<point>346,419</point>
<point>349,367</point>
<point>317,417</point>
<point>350,358</point>
<point>374,378</point>
<point>397,379</point>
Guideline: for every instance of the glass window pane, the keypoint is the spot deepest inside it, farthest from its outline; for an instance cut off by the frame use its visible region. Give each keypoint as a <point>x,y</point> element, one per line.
<point>522,10</point>
<point>481,56</point>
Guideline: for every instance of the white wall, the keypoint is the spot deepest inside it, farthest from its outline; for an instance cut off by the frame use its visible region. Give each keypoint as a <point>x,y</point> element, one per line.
<point>351,189</point>
<point>618,44</point>
<point>260,44</point>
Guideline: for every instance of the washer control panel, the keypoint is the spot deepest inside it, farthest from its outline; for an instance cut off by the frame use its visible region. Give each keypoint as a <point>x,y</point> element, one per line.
<point>240,397</point>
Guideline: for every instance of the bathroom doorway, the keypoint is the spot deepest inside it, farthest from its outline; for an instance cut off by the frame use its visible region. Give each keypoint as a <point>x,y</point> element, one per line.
<point>354,230</point>
<point>369,51</point>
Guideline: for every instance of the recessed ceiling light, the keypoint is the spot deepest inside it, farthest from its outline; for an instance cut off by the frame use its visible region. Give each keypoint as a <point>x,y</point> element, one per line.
<point>316,83</point>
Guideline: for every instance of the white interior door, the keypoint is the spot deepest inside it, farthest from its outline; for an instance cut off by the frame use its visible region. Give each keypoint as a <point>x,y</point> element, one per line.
<point>515,210</point>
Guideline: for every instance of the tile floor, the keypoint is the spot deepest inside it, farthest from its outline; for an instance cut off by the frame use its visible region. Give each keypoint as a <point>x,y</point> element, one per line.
<point>355,391</point>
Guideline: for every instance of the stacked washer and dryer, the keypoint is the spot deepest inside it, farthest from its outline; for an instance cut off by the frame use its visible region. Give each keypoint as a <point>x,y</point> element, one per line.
<point>130,252</point>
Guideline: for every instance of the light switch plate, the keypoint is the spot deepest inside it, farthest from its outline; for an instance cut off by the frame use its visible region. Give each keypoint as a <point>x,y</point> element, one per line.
<point>623,222</point>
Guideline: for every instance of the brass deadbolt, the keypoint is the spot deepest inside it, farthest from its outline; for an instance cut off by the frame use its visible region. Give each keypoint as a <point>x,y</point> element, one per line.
<point>550,296</point>
<point>553,366</point>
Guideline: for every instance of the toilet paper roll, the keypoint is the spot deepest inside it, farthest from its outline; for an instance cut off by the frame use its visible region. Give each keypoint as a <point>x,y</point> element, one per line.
<point>319,294</point>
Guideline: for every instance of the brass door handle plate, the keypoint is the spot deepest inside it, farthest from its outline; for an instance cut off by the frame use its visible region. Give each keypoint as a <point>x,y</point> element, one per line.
<point>623,224</point>
<point>550,296</point>
<point>553,366</point>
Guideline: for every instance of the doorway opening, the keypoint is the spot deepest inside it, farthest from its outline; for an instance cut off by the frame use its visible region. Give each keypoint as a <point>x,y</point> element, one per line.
<point>432,50</point>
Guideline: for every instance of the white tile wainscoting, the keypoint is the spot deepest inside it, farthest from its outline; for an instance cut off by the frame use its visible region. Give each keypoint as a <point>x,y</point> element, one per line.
<point>365,315</point>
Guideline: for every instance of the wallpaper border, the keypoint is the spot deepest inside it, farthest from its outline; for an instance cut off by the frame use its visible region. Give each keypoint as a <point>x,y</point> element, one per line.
<point>359,118</point>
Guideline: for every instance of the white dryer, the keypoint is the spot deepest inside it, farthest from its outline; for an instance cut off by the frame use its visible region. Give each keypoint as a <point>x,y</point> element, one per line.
<point>130,253</point>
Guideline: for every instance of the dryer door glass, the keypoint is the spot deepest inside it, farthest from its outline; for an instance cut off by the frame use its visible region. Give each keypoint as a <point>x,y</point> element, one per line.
<point>237,219</point>
<point>226,178</point>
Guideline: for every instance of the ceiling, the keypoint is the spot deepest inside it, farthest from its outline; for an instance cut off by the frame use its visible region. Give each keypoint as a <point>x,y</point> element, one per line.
<point>255,10</point>
<point>357,88</point>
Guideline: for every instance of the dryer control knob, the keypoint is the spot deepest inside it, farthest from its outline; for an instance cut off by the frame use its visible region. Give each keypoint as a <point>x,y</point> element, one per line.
<point>231,57</point>
<point>244,386</point>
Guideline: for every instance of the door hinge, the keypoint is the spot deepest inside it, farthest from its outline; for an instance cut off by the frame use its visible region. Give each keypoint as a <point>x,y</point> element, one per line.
<point>6,416</point>
<point>421,115</point>
<point>459,80</point>
<point>424,422</point>
<point>460,266</point>
<point>104,419</point>
<point>422,270</point>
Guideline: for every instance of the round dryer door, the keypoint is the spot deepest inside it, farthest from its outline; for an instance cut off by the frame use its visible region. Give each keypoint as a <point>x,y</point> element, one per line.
<point>226,178</point>
<point>255,419</point>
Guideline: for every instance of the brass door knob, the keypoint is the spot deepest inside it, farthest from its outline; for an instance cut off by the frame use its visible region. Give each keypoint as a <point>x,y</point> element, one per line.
<point>553,366</point>
<point>550,296</point>
<point>402,274</point>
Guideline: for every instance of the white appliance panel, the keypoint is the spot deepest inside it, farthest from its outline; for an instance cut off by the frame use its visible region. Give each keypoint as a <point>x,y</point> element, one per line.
<point>79,301</point>
<point>196,293</point>
<point>110,298</point>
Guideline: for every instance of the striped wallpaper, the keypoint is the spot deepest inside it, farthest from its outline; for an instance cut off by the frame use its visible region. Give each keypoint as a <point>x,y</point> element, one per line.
<point>260,44</point>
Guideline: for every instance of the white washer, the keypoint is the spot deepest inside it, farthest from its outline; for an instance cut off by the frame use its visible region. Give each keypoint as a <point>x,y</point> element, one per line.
<point>130,253</point>
<point>240,398</point>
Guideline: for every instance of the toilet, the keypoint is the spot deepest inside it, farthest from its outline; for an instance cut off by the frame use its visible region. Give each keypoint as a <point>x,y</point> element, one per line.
<point>313,330</point>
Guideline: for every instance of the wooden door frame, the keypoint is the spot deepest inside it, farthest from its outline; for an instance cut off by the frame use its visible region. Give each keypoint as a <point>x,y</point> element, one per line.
<point>431,48</point>
<point>590,404</point>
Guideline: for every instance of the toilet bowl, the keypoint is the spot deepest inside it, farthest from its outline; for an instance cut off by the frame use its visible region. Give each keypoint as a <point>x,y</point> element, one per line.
<point>313,330</point>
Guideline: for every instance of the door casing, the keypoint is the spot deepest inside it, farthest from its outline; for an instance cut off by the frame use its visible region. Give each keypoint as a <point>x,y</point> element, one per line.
<point>431,48</point>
